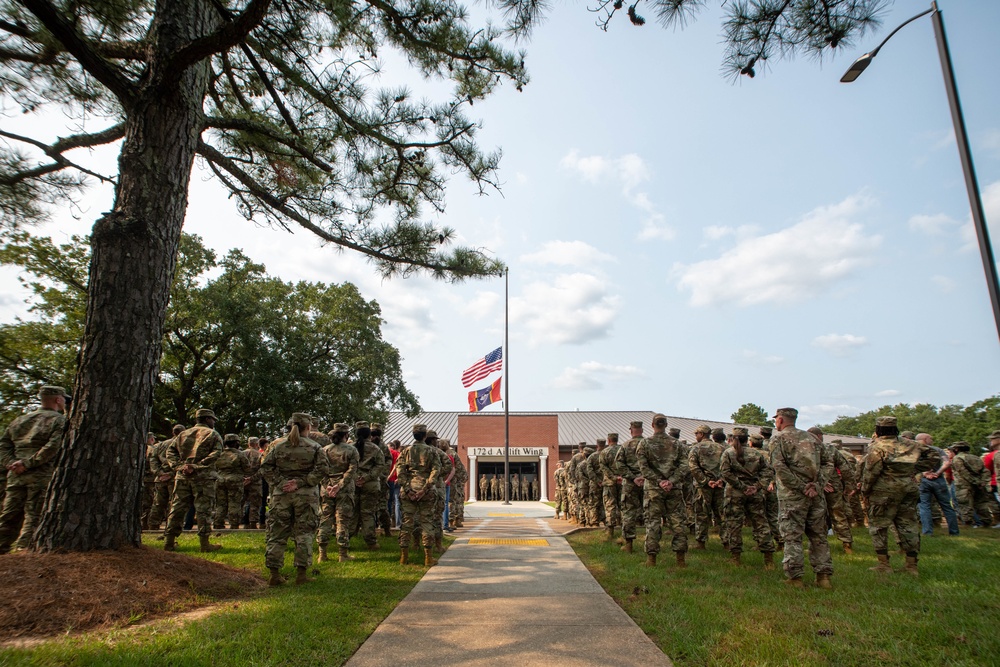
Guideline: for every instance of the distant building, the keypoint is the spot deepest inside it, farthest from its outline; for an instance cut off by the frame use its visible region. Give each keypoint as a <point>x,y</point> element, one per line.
<point>539,439</point>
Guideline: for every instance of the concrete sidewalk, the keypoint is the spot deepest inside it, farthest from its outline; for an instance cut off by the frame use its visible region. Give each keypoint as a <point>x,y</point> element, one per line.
<point>515,595</point>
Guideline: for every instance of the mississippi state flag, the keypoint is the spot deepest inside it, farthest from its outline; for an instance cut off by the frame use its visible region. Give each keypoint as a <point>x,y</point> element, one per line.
<point>480,398</point>
<point>490,363</point>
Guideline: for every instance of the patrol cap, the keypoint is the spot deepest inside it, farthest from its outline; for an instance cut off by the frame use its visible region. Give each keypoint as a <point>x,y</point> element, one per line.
<point>431,435</point>
<point>420,428</point>
<point>674,432</point>
<point>704,428</point>
<point>204,412</point>
<point>341,427</point>
<point>787,413</point>
<point>612,437</point>
<point>757,439</point>
<point>766,431</point>
<point>909,435</point>
<point>885,420</point>
<point>360,425</point>
<point>601,441</point>
<point>376,428</point>
<point>52,390</point>
<point>582,444</point>
<point>718,431</point>
<point>836,441</point>
<point>231,437</point>
<point>588,449</point>
<point>995,434</point>
<point>659,419</point>
<point>635,424</point>
<point>299,419</point>
<point>961,445</point>
<point>740,430</point>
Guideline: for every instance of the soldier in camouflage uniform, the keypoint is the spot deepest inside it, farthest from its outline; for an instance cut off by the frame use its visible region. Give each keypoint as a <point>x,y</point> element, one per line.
<point>443,488</point>
<point>663,466</point>
<point>526,488</point>
<point>27,454</point>
<point>611,484</point>
<point>771,492</point>
<point>626,466</point>
<point>382,514</point>
<point>855,515</point>
<point>890,466</point>
<point>192,455</point>
<point>233,470</point>
<point>843,484</point>
<point>595,487</point>
<point>802,467</point>
<point>148,482</point>
<point>367,492</point>
<point>337,499</point>
<point>252,486</point>
<point>417,470</point>
<point>294,467</point>
<point>972,486</point>
<point>691,499</point>
<point>495,488</point>
<point>457,510</point>
<point>484,487</point>
<point>704,460</point>
<point>746,474</point>
<point>577,484</point>
<point>164,476</point>
<point>559,476</point>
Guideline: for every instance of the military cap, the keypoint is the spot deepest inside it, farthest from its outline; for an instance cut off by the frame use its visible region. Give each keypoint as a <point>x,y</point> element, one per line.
<point>740,430</point>
<point>674,432</point>
<point>420,428</point>
<point>204,412</point>
<point>766,431</point>
<point>588,449</point>
<point>298,418</point>
<point>885,420</point>
<point>757,439</point>
<point>253,441</point>
<point>909,435</point>
<point>52,390</point>
<point>787,413</point>
<point>960,445</point>
<point>231,437</point>
<point>659,418</point>
<point>361,425</point>
<point>995,434</point>
<point>635,424</point>
<point>718,431</point>
<point>432,435</point>
<point>341,427</point>
<point>612,437</point>
<point>836,441</point>
<point>602,441</point>
<point>582,445</point>
<point>376,428</point>
<point>704,428</point>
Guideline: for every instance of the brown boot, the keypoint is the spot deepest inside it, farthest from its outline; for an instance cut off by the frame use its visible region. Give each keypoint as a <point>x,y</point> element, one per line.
<point>322,558</point>
<point>768,560</point>
<point>848,550</point>
<point>276,578</point>
<point>205,546</point>
<point>344,556</point>
<point>883,566</point>
<point>404,555</point>
<point>680,559</point>
<point>911,566</point>
<point>300,576</point>
<point>429,559</point>
<point>438,545</point>
<point>736,557</point>
<point>823,581</point>
<point>699,546</point>
<point>650,560</point>
<point>627,547</point>
<point>795,583</point>
<point>168,543</point>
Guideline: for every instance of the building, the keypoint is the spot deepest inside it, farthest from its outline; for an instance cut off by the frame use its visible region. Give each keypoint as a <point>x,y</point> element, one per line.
<point>538,440</point>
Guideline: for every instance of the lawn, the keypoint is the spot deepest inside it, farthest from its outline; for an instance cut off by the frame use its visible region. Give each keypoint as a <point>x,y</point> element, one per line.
<point>320,623</point>
<point>714,613</point>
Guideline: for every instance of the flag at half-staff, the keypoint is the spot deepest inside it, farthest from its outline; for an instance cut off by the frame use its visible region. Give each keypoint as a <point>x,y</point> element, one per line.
<point>480,398</point>
<point>491,363</point>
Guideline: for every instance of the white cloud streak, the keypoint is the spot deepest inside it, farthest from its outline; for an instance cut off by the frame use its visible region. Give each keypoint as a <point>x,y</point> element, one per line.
<point>568,253</point>
<point>840,345</point>
<point>572,309</point>
<point>591,375</point>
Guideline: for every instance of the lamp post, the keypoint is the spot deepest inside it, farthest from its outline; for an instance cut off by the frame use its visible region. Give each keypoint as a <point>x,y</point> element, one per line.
<point>961,138</point>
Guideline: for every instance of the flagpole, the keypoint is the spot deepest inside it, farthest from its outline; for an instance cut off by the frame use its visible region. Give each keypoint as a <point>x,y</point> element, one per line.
<point>506,389</point>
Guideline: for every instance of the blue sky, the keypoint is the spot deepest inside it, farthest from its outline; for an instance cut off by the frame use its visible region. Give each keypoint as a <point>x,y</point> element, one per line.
<point>684,244</point>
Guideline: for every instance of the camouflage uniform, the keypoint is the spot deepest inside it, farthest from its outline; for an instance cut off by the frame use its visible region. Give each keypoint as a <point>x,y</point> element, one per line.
<point>148,485</point>
<point>484,487</point>
<point>580,484</point>
<point>382,513</point>
<point>366,483</point>
<point>595,487</point>
<point>232,468</point>
<point>972,488</point>
<point>495,489</point>
<point>198,447</point>
<point>446,467</point>
<point>558,476</point>
<point>611,483</point>
<point>254,491</point>
<point>457,510</point>
<point>417,470</point>
<point>526,489</point>
<point>34,440</point>
<point>337,511</point>
<point>741,473</point>
<point>515,487</point>
<point>887,482</point>
<point>855,514</point>
<point>626,466</point>
<point>771,493</point>
<point>800,461</point>
<point>293,514</point>
<point>836,501</point>
<point>704,462</point>
<point>661,459</point>
<point>162,490</point>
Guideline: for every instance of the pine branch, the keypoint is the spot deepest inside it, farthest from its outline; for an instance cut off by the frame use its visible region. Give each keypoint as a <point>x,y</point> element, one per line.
<point>247,125</point>
<point>56,150</point>
<point>233,31</point>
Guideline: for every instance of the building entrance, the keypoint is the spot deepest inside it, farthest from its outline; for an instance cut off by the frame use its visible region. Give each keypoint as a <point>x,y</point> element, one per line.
<point>525,484</point>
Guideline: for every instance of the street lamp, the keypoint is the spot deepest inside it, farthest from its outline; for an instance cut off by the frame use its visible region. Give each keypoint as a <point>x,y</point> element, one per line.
<point>961,138</point>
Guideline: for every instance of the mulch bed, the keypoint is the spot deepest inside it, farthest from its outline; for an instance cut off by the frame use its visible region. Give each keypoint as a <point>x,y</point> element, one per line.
<point>55,593</point>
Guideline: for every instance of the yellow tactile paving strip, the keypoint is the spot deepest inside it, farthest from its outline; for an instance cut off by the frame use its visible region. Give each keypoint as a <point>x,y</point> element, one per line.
<point>509,541</point>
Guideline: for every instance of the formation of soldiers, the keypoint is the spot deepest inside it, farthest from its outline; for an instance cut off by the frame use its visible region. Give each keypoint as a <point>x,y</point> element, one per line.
<point>521,487</point>
<point>784,483</point>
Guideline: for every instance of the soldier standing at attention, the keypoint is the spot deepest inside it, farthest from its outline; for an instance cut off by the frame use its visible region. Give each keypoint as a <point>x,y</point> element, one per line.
<point>495,488</point>
<point>843,483</point>
<point>746,474</point>
<point>484,487</point>
<point>457,510</point>
<point>515,484</point>
<point>626,466</point>
<point>704,461</point>
<point>417,470</point>
<point>611,484</point>
<point>382,513</point>
<point>890,466</point>
<point>972,486</point>
<point>557,476</point>
<point>148,482</point>
<point>164,480</point>
<point>337,509</point>
<point>27,450</point>
<point>595,483</point>
<point>662,463</point>
<point>233,469</point>
<point>192,455</point>
<point>802,467</point>
<point>251,485</point>
<point>370,469</point>
<point>294,467</point>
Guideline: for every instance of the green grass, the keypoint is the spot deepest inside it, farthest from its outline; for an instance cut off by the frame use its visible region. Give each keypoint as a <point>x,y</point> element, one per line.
<point>713,613</point>
<point>321,623</point>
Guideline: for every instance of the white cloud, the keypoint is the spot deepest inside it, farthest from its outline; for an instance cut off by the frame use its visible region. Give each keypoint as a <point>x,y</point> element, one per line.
<point>574,308</point>
<point>755,357</point>
<point>567,253</point>
<point>717,232</point>
<point>592,374</point>
<point>932,224</point>
<point>839,345</point>
<point>824,413</point>
<point>793,264</point>
<point>520,177</point>
<point>885,393</point>
<point>481,305</point>
<point>944,283</point>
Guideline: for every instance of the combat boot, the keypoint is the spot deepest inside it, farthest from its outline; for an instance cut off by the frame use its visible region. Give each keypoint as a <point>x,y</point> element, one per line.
<point>404,555</point>
<point>795,583</point>
<point>438,545</point>
<point>736,557</point>
<point>627,547</point>
<point>610,534</point>
<point>276,578</point>
<point>168,543</point>
<point>322,558</point>
<point>650,560</point>
<point>344,556</point>
<point>205,546</point>
<point>768,560</point>
<point>429,559</point>
<point>848,548</point>
<point>883,566</point>
<point>680,559</point>
<point>300,576</point>
<point>911,566</point>
<point>699,546</point>
<point>823,581</point>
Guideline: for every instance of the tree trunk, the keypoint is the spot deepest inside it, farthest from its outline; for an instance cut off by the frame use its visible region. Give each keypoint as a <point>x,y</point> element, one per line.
<point>94,498</point>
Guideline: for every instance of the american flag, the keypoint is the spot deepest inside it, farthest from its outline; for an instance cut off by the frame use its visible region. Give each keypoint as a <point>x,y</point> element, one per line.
<point>490,363</point>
